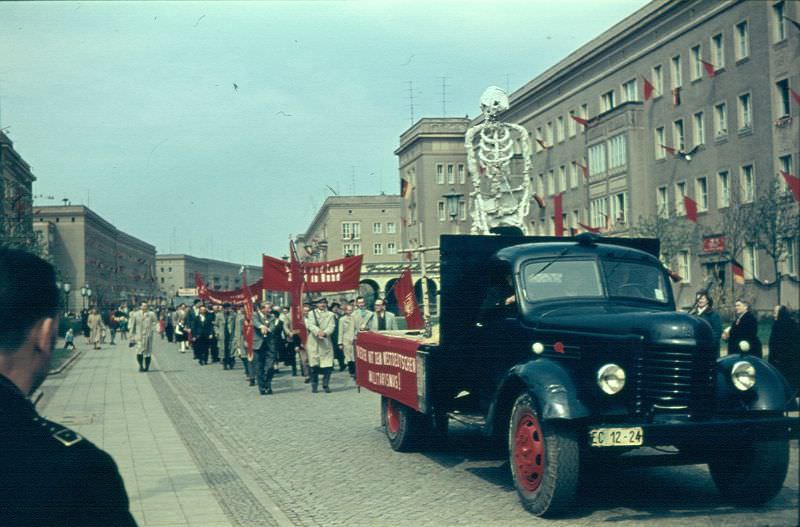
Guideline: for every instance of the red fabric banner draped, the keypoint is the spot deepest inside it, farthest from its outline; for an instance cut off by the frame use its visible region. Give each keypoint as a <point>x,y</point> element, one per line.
<point>336,275</point>
<point>247,329</point>
<point>648,89</point>
<point>407,301</point>
<point>691,208</point>
<point>235,297</point>
<point>558,214</point>
<point>793,182</point>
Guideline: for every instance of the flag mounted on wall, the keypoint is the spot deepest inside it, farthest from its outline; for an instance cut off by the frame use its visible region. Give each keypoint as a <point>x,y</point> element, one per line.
<point>648,89</point>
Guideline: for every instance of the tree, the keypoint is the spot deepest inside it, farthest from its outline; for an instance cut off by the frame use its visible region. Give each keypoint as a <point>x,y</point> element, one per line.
<point>675,234</point>
<point>739,223</point>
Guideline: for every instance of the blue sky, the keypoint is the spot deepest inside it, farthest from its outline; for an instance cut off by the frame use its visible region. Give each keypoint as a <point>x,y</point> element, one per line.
<point>131,107</point>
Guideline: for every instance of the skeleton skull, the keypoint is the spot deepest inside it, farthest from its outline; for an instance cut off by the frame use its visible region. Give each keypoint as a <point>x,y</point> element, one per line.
<point>493,101</point>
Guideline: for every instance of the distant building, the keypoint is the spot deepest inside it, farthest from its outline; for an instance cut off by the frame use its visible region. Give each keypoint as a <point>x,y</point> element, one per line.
<point>89,251</point>
<point>16,196</point>
<point>176,271</point>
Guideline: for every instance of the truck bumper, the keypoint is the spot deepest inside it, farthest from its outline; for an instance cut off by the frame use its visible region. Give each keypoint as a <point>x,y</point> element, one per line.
<point>721,431</point>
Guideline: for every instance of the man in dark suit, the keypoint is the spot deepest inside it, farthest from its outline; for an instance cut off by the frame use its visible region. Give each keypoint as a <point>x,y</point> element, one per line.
<point>202,333</point>
<point>50,475</point>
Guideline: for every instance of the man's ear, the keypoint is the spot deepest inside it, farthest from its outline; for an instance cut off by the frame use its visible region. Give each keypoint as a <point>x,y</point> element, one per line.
<point>44,333</point>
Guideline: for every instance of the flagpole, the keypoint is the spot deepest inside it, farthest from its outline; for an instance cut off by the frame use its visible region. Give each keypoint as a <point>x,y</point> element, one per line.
<point>426,310</point>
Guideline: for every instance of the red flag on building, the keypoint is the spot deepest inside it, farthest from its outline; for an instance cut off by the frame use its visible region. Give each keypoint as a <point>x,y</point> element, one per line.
<point>795,95</point>
<point>247,328</point>
<point>542,144</point>
<point>558,212</point>
<point>709,67</point>
<point>539,200</point>
<point>738,272</point>
<point>648,89</point>
<point>407,301</point>
<point>793,182</point>
<point>581,120</point>
<point>202,288</point>
<point>584,169</point>
<point>588,228</point>
<point>405,188</point>
<point>676,96</point>
<point>669,149</point>
<point>691,208</point>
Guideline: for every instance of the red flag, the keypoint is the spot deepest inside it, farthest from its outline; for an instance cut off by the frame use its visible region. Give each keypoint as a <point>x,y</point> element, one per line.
<point>709,67</point>
<point>675,277</point>
<point>676,96</point>
<point>691,208</point>
<point>648,89</point>
<point>793,182</point>
<point>558,211</point>
<point>539,200</point>
<point>795,95</point>
<point>407,300</point>
<point>669,149</point>
<point>541,143</point>
<point>588,228</point>
<point>334,275</point>
<point>585,170</point>
<point>247,328</point>
<point>296,293</point>
<point>738,272</point>
<point>581,120</point>
<point>202,288</point>
<point>405,188</point>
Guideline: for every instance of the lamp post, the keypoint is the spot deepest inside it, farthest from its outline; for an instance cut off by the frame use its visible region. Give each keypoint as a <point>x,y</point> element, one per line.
<point>86,294</point>
<point>453,199</point>
<point>66,287</point>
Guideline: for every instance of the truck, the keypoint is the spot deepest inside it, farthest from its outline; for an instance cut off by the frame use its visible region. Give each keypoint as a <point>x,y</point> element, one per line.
<point>571,353</point>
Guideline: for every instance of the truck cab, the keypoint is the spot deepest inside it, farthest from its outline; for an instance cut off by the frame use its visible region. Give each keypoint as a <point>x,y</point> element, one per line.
<point>571,352</point>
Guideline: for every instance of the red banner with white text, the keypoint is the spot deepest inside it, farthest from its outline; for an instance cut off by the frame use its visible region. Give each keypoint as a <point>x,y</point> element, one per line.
<point>336,275</point>
<point>388,366</point>
<point>235,297</point>
<point>407,301</point>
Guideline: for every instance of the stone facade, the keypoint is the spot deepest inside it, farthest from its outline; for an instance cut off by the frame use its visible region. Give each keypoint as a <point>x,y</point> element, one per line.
<point>16,196</point>
<point>176,271</point>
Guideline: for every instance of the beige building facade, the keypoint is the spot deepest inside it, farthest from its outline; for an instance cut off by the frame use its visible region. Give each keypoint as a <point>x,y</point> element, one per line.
<point>90,253</point>
<point>16,196</point>
<point>176,271</point>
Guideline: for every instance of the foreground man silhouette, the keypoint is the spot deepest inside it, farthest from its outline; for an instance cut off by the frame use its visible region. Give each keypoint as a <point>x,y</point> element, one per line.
<point>49,475</point>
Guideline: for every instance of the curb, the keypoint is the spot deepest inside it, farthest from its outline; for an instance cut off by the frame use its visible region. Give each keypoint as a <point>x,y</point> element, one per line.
<point>66,363</point>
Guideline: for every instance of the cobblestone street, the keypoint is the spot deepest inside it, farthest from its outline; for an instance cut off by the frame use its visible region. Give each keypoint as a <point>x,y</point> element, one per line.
<point>227,456</point>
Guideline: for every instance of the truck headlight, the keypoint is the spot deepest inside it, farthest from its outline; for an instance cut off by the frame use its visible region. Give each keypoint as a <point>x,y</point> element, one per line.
<point>611,378</point>
<point>744,346</point>
<point>743,375</point>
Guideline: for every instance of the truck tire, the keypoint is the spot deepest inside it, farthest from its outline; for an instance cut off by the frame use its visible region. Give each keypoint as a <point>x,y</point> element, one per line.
<point>405,428</point>
<point>751,475</point>
<point>544,460</point>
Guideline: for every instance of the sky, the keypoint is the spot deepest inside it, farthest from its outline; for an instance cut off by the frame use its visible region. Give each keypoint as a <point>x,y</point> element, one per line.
<point>218,129</point>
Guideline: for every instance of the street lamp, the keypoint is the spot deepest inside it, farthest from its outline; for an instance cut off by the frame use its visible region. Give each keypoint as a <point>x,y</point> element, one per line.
<point>86,293</point>
<point>66,287</point>
<point>453,199</point>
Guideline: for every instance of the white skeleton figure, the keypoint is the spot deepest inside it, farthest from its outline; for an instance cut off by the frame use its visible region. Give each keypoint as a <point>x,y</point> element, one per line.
<point>500,204</point>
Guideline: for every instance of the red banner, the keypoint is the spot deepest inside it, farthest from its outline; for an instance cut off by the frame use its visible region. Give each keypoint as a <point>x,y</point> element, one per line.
<point>247,329</point>
<point>336,275</point>
<point>235,297</point>
<point>407,300</point>
<point>388,366</point>
<point>558,214</point>
<point>714,244</point>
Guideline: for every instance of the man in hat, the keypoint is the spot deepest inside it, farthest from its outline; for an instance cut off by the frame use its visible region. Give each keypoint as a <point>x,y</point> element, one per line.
<point>320,325</point>
<point>141,328</point>
<point>50,475</point>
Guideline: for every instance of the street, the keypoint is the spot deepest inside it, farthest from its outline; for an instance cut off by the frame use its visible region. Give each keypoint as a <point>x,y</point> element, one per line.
<point>297,458</point>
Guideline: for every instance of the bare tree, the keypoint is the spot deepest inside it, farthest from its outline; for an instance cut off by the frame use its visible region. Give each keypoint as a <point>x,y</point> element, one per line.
<point>675,234</point>
<point>738,222</point>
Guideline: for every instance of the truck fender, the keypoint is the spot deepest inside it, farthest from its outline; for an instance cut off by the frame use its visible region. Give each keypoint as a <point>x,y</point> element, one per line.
<point>548,382</point>
<point>770,393</point>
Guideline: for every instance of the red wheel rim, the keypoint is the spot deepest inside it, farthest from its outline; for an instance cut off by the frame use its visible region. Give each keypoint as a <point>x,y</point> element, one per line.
<point>392,419</point>
<point>529,452</point>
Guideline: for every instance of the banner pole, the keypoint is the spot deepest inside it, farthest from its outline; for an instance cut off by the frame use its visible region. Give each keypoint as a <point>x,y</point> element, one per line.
<point>426,311</point>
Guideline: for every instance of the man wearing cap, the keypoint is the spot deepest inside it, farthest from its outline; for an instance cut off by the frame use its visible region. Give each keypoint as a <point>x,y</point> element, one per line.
<point>50,475</point>
<point>320,325</point>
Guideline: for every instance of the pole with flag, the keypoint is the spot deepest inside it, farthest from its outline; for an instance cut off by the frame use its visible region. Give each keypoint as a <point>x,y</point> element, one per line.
<point>296,293</point>
<point>738,272</point>
<point>247,328</point>
<point>690,206</point>
<point>407,300</point>
<point>648,89</point>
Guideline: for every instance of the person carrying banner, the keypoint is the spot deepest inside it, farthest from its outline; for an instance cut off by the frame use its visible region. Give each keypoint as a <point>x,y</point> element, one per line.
<point>142,325</point>
<point>347,338</point>
<point>320,325</point>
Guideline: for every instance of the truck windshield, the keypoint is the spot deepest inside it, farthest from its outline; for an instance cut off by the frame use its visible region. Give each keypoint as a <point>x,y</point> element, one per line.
<point>546,279</point>
<point>632,279</point>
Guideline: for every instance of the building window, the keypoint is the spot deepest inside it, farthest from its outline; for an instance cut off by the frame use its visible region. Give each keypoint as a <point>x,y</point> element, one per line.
<point>617,152</point>
<point>675,71</point>
<point>790,263</point>
<point>619,208</point>
<point>779,32</point>
<point>718,51</point>
<point>391,227</point>
<point>597,159</point>
<point>630,91</point>
<point>551,184</point>
<point>750,263</point>
<point>562,178</point>
<point>462,177</point>
<point>784,165</point>
<point>699,129</point>
<point>377,249</point>
<point>548,133</point>
<point>584,115</point>
<point>441,210</point>
<point>678,136</point>
<point>723,189</point>
<point>576,219</point>
<point>356,249</point>
<point>720,120</point>
<point>680,192</point>
<point>560,128</point>
<point>701,193</point>
<point>607,101</point>
<point>391,248</point>
<point>451,175</point>
<point>685,266</point>
<point>347,249</point>
<point>659,140</point>
<point>540,185</point>
<point>782,87</point>
<point>747,183</point>
<point>377,228</point>
<point>657,79</point>
<point>462,210</point>
<point>745,112</point>
<point>598,210</point>
<point>742,35</point>
<point>696,62</point>
<point>440,174</point>
<point>571,124</point>
<point>573,174</point>
<point>347,231</point>
<point>662,202</point>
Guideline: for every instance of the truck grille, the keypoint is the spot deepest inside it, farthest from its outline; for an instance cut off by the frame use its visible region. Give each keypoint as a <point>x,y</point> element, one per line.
<point>674,379</point>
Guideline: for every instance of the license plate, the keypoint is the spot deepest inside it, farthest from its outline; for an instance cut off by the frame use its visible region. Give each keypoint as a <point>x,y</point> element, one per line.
<point>601,437</point>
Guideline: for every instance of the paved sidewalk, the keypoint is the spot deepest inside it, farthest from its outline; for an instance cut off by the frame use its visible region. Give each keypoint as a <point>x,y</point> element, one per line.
<point>105,398</point>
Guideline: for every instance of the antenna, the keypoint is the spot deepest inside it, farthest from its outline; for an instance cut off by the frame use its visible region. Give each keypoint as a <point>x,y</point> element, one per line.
<point>411,100</point>
<point>444,96</point>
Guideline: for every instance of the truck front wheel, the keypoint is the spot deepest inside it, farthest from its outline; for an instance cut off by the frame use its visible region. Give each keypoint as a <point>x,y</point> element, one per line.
<point>545,460</point>
<point>751,475</point>
<point>405,427</point>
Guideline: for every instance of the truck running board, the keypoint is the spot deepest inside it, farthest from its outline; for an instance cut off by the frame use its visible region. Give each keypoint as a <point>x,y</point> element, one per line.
<point>476,420</point>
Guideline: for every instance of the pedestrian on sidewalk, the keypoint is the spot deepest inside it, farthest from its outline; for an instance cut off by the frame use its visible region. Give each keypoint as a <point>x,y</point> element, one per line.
<point>69,339</point>
<point>347,338</point>
<point>50,475</point>
<point>228,358</point>
<point>95,323</point>
<point>142,326</point>
<point>202,333</point>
